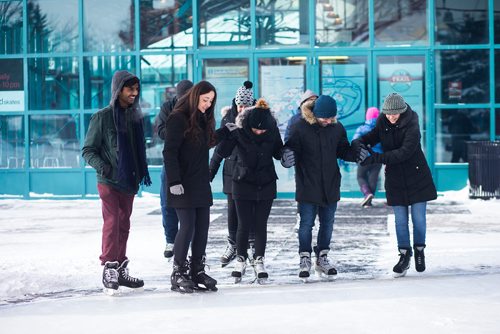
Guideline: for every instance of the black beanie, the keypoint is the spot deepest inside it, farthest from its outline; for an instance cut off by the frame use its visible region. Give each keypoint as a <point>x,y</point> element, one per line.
<point>182,87</point>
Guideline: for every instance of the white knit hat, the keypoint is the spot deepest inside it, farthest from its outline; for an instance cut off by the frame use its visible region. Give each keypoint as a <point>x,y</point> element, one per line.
<point>244,95</point>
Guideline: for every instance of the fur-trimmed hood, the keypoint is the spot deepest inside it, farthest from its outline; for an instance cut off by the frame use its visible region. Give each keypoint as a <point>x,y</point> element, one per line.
<point>307,113</point>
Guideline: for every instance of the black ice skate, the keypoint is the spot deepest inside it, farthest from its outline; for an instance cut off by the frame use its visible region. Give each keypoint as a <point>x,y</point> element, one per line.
<point>260,270</point>
<point>240,266</point>
<point>128,281</point>
<point>180,280</point>
<point>229,253</point>
<point>323,266</point>
<point>419,258</point>
<point>110,278</point>
<point>403,264</point>
<point>169,251</point>
<point>201,281</point>
<point>305,266</point>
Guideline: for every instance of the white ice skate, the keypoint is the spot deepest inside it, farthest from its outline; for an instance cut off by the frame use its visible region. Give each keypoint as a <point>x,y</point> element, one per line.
<point>240,266</point>
<point>323,267</point>
<point>260,270</point>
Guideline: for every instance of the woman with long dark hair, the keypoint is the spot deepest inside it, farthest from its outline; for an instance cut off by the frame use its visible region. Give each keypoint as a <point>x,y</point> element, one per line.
<point>190,135</point>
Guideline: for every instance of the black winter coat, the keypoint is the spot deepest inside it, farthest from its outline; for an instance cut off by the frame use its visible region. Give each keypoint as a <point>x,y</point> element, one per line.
<point>317,148</point>
<point>253,175</point>
<point>186,163</point>
<point>230,161</point>
<point>408,179</point>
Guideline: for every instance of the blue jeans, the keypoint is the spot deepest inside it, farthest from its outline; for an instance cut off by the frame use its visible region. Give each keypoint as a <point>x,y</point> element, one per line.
<point>169,216</point>
<point>308,214</point>
<point>419,224</point>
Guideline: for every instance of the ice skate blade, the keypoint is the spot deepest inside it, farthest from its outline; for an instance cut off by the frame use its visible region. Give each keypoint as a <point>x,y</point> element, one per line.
<point>203,288</point>
<point>237,280</point>
<point>111,292</point>
<point>323,275</point>
<point>262,281</point>
<point>181,289</point>
<point>397,275</point>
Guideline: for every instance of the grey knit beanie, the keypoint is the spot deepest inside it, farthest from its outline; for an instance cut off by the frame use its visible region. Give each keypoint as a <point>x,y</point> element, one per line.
<point>394,104</point>
<point>244,95</point>
<point>182,87</point>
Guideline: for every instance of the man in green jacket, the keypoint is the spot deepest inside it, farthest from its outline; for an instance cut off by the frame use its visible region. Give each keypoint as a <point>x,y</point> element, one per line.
<point>115,148</point>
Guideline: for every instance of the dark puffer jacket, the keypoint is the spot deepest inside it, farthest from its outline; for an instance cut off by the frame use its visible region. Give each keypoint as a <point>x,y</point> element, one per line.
<point>408,179</point>
<point>253,175</point>
<point>317,148</point>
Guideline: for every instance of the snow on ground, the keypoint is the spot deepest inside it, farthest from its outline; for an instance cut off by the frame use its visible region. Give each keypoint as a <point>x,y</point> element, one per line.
<point>50,274</point>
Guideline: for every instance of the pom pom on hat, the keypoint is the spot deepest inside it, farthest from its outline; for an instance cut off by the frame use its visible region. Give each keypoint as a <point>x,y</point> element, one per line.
<point>372,113</point>
<point>394,104</point>
<point>244,95</point>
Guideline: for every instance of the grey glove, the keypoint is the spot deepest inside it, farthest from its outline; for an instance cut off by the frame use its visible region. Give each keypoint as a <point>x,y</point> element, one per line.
<point>362,155</point>
<point>287,158</point>
<point>231,126</point>
<point>178,189</point>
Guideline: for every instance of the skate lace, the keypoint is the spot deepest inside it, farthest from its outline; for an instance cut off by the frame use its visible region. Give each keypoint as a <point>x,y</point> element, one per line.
<point>125,276</point>
<point>324,262</point>
<point>259,264</point>
<point>111,275</point>
<point>230,250</point>
<point>305,262</point>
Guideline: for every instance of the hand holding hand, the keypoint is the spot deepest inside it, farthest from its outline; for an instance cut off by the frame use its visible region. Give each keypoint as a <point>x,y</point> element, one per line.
<point>231,126</point>
<point>288,158</point>
<point>178,189</point>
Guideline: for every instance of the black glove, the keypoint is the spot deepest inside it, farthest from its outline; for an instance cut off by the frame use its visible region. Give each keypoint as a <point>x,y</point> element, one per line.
<point>372,159</point>
<point>287,158</point>
<point>106,171</point>
<point>362,155</point>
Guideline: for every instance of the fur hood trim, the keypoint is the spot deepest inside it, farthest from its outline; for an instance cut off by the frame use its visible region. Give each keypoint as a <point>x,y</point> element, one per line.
<point>307,113</point>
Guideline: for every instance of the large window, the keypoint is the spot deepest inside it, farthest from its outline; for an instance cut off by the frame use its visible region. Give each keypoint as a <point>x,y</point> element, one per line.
<point>401,22</point>
<point>97,73</point>
<point>11,32</point>
<point>225,23</point>
<point>497,21</point>
<point>12,142</point>
<point>461,22</point>
<point>108,25</point>
<point>341,23</point>
<point>455,127</point>
<point>497,75</point>
<point>54,141</point>
<point>166,24</point>
<point>53,26</point>
<point>282,22</point>
<point>53,83</point>
<point>462,76</point>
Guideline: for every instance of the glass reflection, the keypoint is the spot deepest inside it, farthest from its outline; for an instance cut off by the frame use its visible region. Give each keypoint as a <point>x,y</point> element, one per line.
<point>282,22</point>
<point>166,24</point>
<point>52,26</point>
<point>461,22</point>
<point>496,21</point>
<point>159,76</point>
<point>11,16</point>
<point>226,23</point>
<point>341,23</point>
<point>54,141</point>
<point>97,73</point>
<point>400,21</point>
<point>452,86</point>
<point>497,76</point>
<point>108,25</point>
<point>53,83</point>
<point>12,142</point>
<point>497,124</point>
<point>454,127</point>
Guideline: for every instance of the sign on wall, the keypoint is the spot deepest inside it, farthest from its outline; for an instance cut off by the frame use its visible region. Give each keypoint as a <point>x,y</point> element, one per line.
<point>11,85</point>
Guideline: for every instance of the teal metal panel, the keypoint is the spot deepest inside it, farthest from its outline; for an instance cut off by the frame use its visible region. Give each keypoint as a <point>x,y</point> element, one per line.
<point>56,182</point>
<point>451,176</point>
<point>13,183</point>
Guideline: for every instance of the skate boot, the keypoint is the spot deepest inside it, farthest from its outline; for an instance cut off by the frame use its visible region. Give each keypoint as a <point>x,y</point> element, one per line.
<point>305,265</point>
<point>367,200</point>
<point>180,280</point>
<point>110,278</point>
<point>419,258</point>
<point>201,281</point>
<point>240,267</point>
<point>251,252</point>
<point>260,270</point>
<point>128,281</point>
<point>323,266</point>
<point>229,253</point>
<point>169,251</point>
<point>403,264</point>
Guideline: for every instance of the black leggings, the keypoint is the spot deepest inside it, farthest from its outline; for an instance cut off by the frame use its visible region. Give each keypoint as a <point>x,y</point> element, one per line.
<point>368,176</point>
<point>252,214</point>
<point>232,221</point>
<point>193,229</point>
